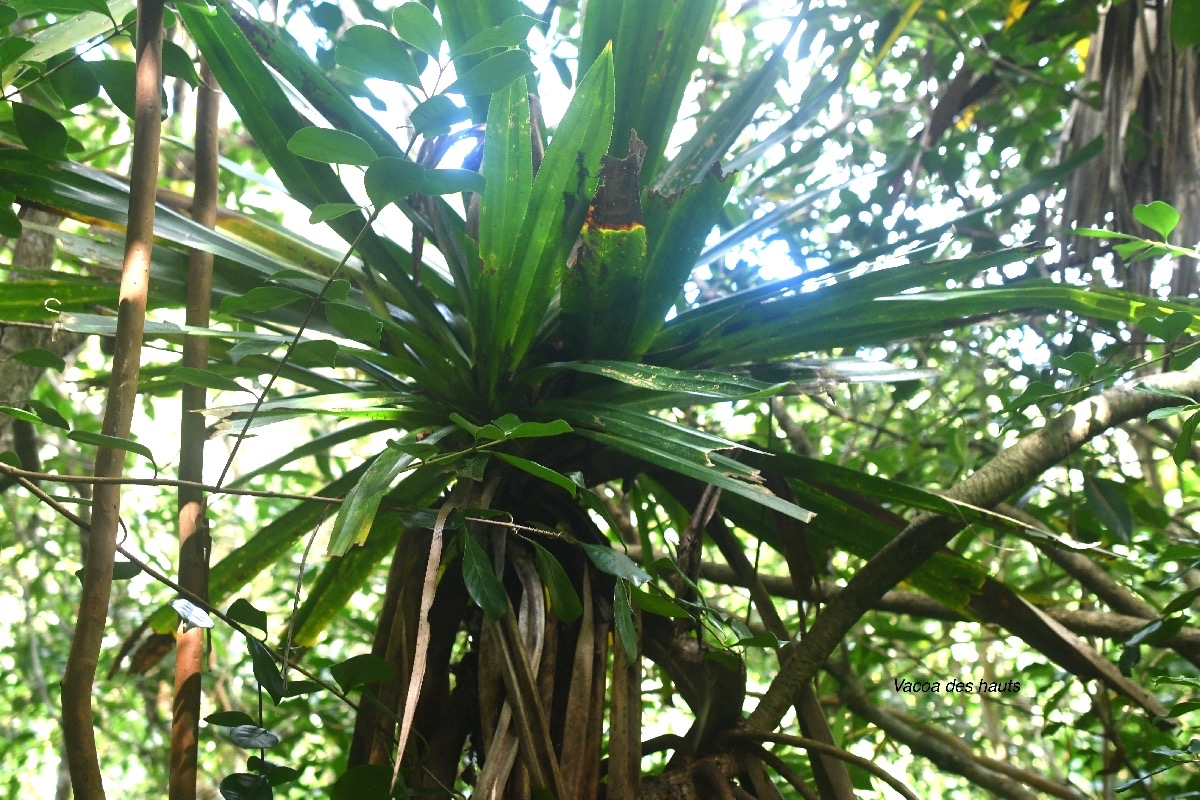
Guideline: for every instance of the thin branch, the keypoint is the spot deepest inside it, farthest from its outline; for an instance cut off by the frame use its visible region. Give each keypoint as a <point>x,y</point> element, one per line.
<point>195,599</point>
<point>117,480</point>
<point>1011,470</point>
<point>946,752</point>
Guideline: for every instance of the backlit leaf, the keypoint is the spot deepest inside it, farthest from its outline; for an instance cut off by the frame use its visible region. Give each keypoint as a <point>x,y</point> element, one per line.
<point>416,25</point>
<point>376,53</point>
<point>493,74</point>
<point>331,146</point>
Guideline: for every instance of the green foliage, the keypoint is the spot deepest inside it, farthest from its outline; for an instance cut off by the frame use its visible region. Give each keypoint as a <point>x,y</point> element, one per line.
<point>571,340</point>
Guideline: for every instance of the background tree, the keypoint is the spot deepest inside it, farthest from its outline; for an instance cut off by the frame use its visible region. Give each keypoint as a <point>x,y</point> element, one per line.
<point>589,498</point>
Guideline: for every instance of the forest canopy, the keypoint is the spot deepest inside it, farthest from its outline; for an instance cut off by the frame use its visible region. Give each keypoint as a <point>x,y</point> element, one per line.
<point>598,399</point>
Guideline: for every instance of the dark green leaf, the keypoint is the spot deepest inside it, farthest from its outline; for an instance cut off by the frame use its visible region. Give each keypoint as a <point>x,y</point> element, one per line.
<point>331,146</point>
<point>510,33</point>
<point>49,415</point>
<point>437,114</point>
<point>377,53</point>
<point>354,322</point>
<point>8,15</point>
<point>41,133</point>
<point>113,443</point>
<point>493,74</point>
<point>390,180</point>
<point>124,570</point>
<point>659,604</point>
<point>245,786</point>
<point>117,78</point>
<point>541,472</point>
<point>764,639</point>
<point>1185,24</point>
<point>178,64</point>
<point>277,774</point>
<point>416,25</point>
<point>485,588</point>
<point>564,601</point>
<point>615,563</point>
<point>361,670</point>
<point>450,181</point>
<point>364,782</point>
<point>40,357</point>
<point>72,80</point>
<point>1183,448</point>
<point>207,379</point>
<point>266,671</point>
<point>327,211</point>
<point>297,689</point>
<point>253,737</point>
<point>1106,499</point>
<point>10,223</point>
<point>259,299</point>
<point>21,414</point>
<point>623,622</point>
<point>244,612</point>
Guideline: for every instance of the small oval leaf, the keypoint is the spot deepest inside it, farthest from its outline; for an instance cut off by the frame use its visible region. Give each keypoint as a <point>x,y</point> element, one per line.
<point>391,179</point>
<point>493,74</point>
<point>416,25</point>
<point>484,587</point>
<point>327,211</point>
<point>437,114</point>
<point>331,146</point>
<point>253,737</point>
<point>246,786</point>
<point>376,53</point>
<point>615,563</point>
<point>244,612</point>
<point>1158,217</point>
<point>42,134</point>
<point>510,33</point>
<point>361,670</point>
<point>564,601</point>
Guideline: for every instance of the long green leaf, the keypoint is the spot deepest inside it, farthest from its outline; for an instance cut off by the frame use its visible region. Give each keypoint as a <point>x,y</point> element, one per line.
<point>357,513</point>
<point>724,125</point>
<point>655,43</point>
<point>564,185</point>
<point>508,168</point>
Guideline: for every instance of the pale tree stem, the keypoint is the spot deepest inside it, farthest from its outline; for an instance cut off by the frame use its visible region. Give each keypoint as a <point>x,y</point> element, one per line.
<point>80,673</point>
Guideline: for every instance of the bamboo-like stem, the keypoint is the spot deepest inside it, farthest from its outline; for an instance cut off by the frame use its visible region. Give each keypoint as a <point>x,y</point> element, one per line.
<point>80,673</point>
<point>194,548</point>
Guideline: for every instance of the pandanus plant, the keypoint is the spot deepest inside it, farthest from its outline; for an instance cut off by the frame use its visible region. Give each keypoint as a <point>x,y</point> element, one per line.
<point>526,360</point>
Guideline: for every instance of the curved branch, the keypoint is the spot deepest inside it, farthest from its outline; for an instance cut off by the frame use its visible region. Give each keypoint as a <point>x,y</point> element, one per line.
<point>999,778</point>
<point>814,746</point>
<point>1008,472</point>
